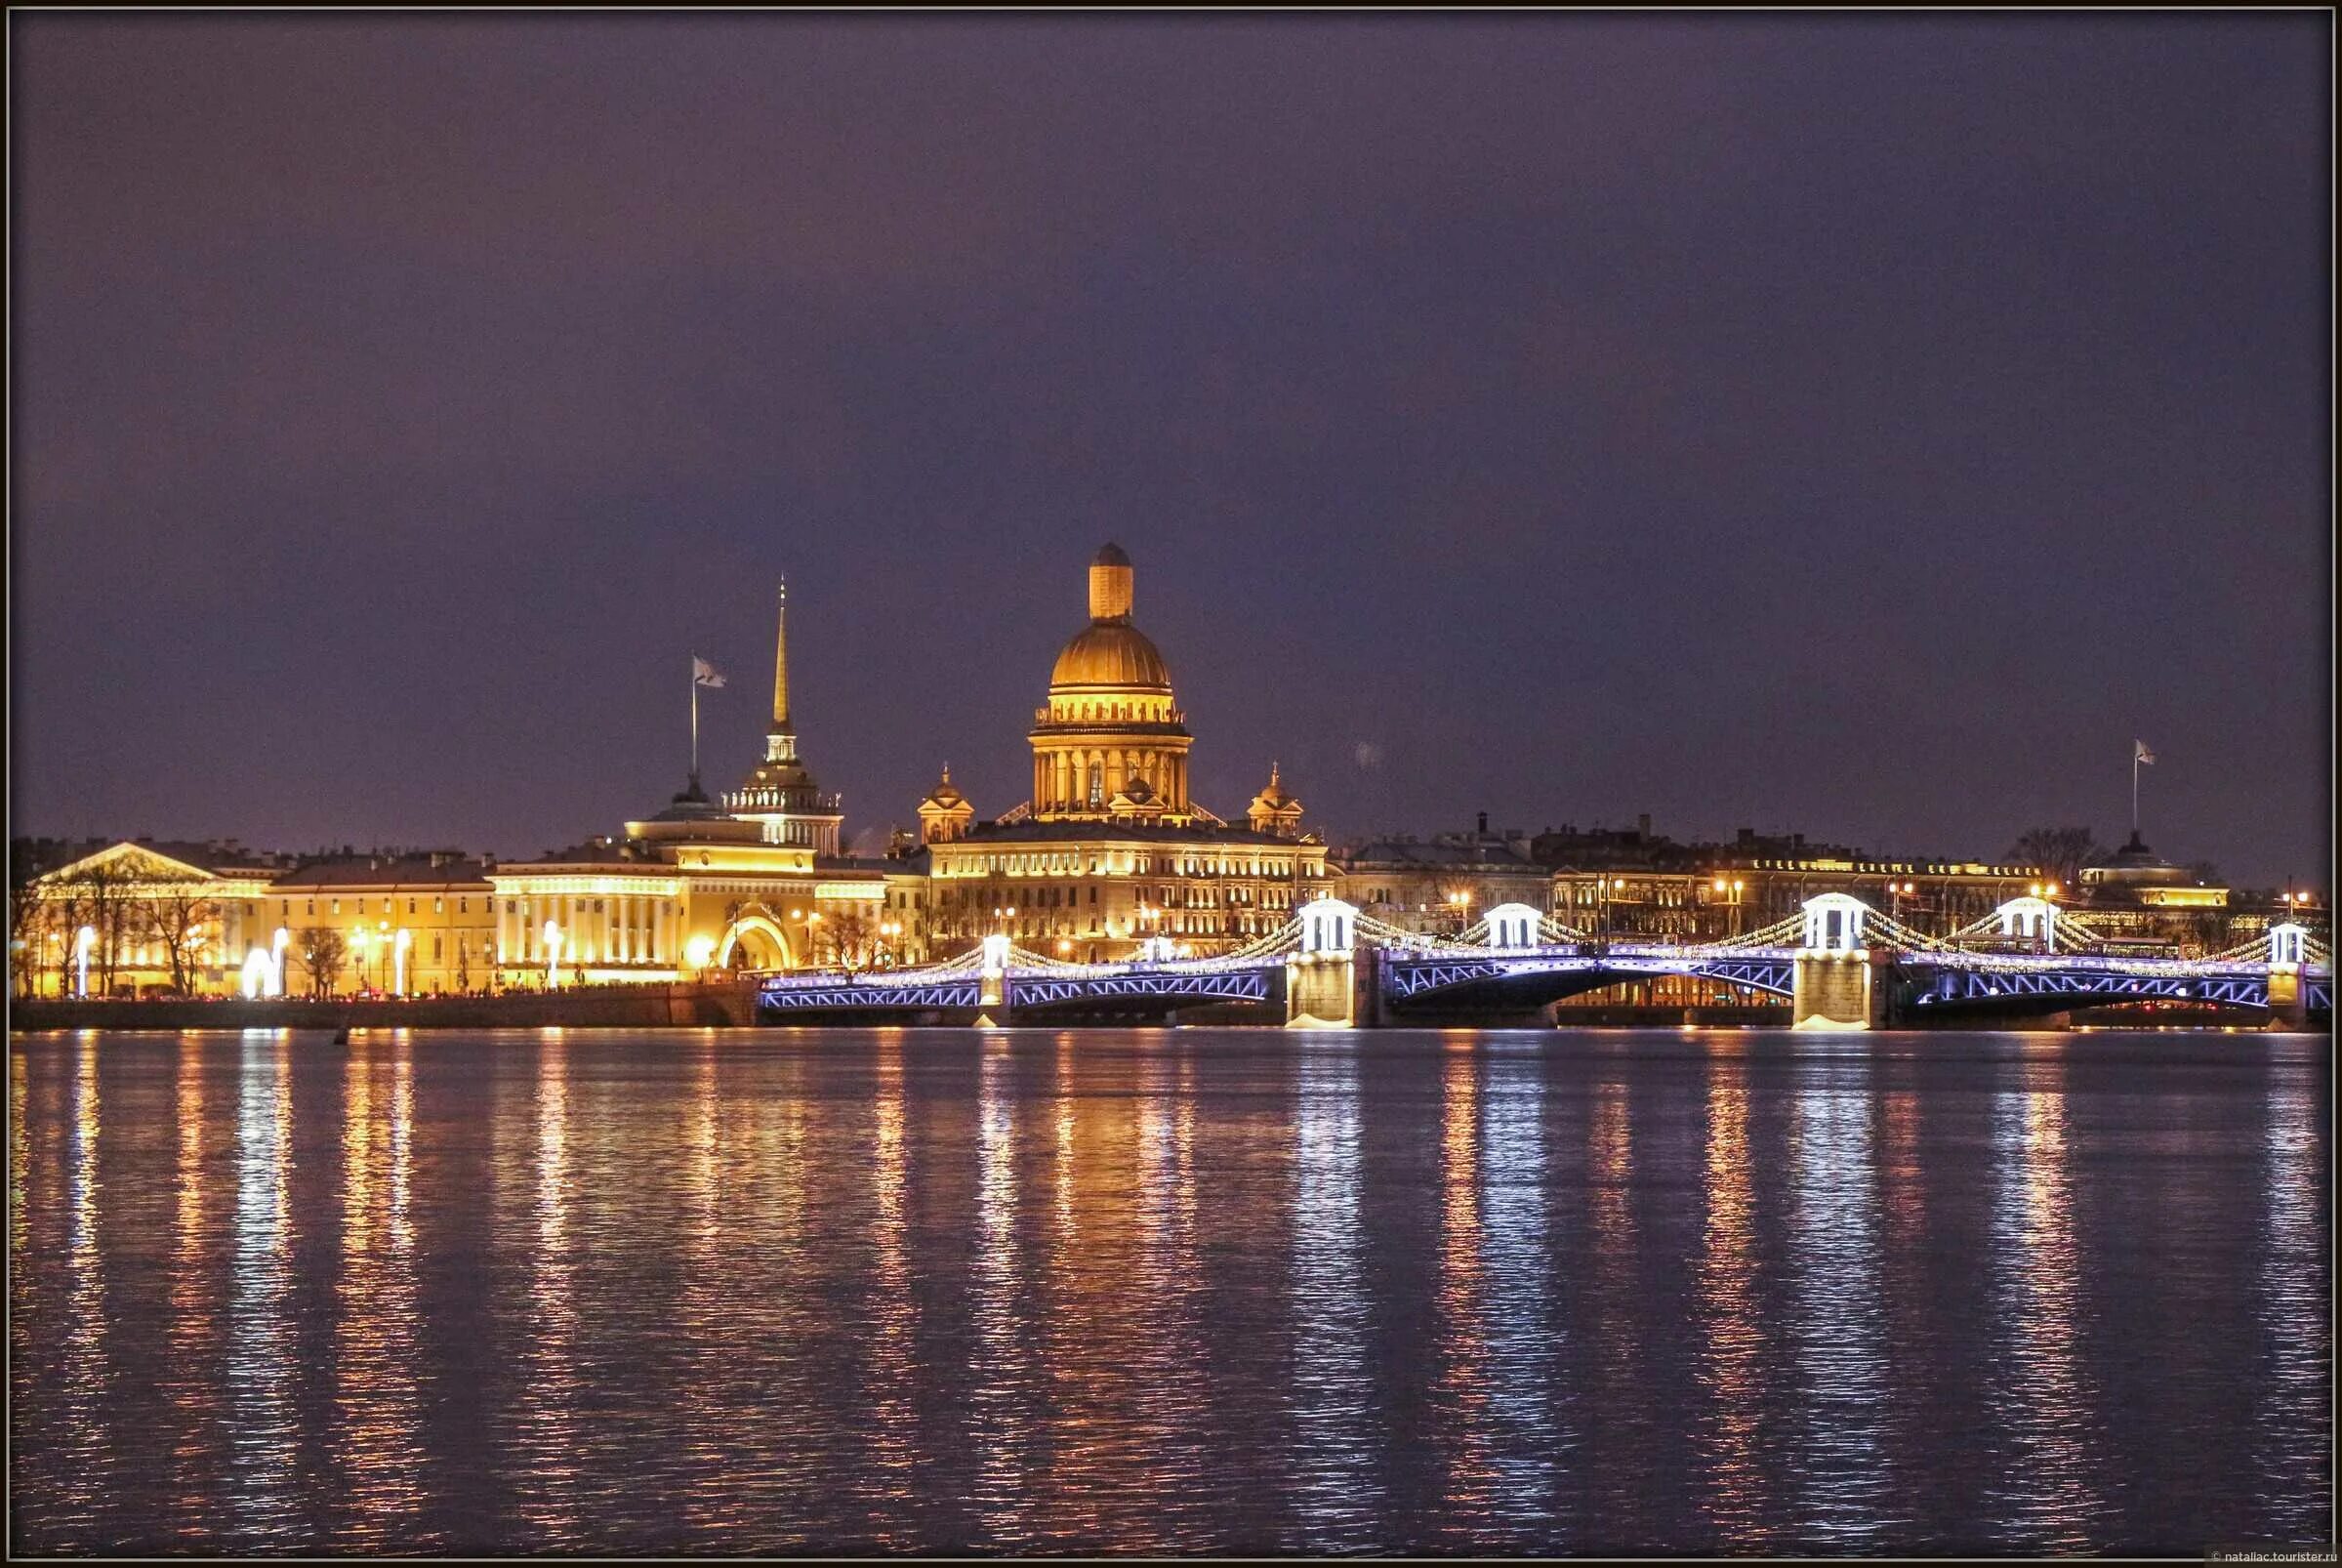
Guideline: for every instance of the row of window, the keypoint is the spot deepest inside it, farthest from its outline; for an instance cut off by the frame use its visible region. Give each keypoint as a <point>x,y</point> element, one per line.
<point>438,906</point>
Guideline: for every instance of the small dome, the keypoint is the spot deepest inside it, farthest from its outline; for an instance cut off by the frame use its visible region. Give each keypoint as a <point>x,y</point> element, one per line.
<point>1111,555</point>
<point>1111,654</point>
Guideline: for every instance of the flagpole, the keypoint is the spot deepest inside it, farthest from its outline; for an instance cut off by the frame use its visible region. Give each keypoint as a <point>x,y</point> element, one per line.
<point>2134,785</point>
<point>695,744</point>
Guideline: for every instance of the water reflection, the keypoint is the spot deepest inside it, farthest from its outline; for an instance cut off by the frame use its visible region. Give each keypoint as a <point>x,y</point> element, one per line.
<point>891,1365</point>
<point>2294,1434</point>
<point>83,1372</point>
<point>262,1416</point>
<point>1522,1341</point>
<point>193,1334</point>
<point>1337,1494</point>
<point>1836,1326</point>
<point>1459,1392</point>
<point>751,1292</point>
<point>19,1147</point>
<point>1002,1371</point>
<point>2044,1495</point>
<point>1732,1356</point>
<point>375,1444</point>
<point>545,1460</point>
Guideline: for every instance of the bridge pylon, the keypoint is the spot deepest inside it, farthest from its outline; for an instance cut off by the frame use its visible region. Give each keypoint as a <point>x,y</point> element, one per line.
<point>1837,981</point>
<point>992,981</point>
<point>2289,997</point>
<point>1331,982</point>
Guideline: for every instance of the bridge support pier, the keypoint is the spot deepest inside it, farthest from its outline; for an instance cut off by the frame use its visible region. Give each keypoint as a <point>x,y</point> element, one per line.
<point>2289,998</point>
<point>991,983</point>
<point>1333,990</point>
<point>1844,989</point>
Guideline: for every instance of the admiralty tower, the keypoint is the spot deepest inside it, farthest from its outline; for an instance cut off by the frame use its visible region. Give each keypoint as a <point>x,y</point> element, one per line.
<point>1111,741</point>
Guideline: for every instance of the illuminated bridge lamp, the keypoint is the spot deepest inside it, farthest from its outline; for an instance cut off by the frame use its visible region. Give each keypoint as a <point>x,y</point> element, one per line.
<point>398,955</point>
<point>83,941</point>
<point>553,954</point>
<point>276,962</point>
<point>699,951</point>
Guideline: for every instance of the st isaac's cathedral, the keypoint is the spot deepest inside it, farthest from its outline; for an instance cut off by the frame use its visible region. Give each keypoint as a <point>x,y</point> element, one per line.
<point>1111,850</point>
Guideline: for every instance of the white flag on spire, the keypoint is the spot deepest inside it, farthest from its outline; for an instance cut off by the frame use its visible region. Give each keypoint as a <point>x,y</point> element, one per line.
<point>2140,753</point>
<point>702,674</point>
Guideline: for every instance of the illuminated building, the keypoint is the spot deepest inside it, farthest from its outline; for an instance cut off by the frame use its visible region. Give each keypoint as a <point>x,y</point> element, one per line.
<point>412,924</point>
<point>755,883</point>
<point>1112,850</point>
<point>409,923</point>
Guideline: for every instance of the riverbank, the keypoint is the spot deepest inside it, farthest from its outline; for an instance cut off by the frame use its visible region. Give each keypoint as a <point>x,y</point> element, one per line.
<point>615,1006</point>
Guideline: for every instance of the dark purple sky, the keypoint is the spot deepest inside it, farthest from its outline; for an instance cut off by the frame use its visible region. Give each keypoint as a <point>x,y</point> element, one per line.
<point>1865,426</point>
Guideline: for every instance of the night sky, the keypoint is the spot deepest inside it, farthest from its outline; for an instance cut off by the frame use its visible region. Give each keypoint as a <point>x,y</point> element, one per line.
<point>1859,425</point>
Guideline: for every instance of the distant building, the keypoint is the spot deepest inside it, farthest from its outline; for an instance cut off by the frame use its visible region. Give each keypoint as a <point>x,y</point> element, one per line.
<point>2135,895</point>
<point>1443,883</point>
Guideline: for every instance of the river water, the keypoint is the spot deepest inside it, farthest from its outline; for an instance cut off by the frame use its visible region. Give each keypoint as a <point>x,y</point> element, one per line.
<point>1169,1292</point>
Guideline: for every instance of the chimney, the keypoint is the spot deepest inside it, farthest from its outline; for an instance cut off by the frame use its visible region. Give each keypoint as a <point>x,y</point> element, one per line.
<point>1484,822</point>
<point>1642,824</point>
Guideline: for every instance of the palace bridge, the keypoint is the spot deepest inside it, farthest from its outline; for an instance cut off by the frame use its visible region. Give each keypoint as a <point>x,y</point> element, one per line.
<point>1840,964</point>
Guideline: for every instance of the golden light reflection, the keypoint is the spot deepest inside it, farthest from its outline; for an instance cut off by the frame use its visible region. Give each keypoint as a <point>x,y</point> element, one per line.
<point>546,1404</point>
<point>1462,1387</point>
<point>1101,1319</point>
<point>376,1442</point>
<point>20,1149</point>
<point>1732,1358</point>
<point>892,1356</point>
<point>1002,1388</point>
<point>193,1334</point>
<point>263,1446</point>
<point>84,1369</point>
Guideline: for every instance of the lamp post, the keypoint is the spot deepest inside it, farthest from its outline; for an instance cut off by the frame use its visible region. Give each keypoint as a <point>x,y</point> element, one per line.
<point>1459,903</point>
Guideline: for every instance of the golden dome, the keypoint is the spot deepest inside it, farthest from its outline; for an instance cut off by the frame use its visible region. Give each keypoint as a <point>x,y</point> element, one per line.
<point>1111,653</point>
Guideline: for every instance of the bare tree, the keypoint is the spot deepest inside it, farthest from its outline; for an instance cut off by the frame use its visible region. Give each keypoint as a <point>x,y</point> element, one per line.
<point>176,915</point>
<point>463,964</point>
<point>2060,852</point>
<point>101,894</point>
<point>323,950</point>
<point>27,918</point>
<point>851,939</point>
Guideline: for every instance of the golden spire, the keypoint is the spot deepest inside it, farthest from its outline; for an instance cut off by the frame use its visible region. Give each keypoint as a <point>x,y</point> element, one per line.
<point>780,668</point>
